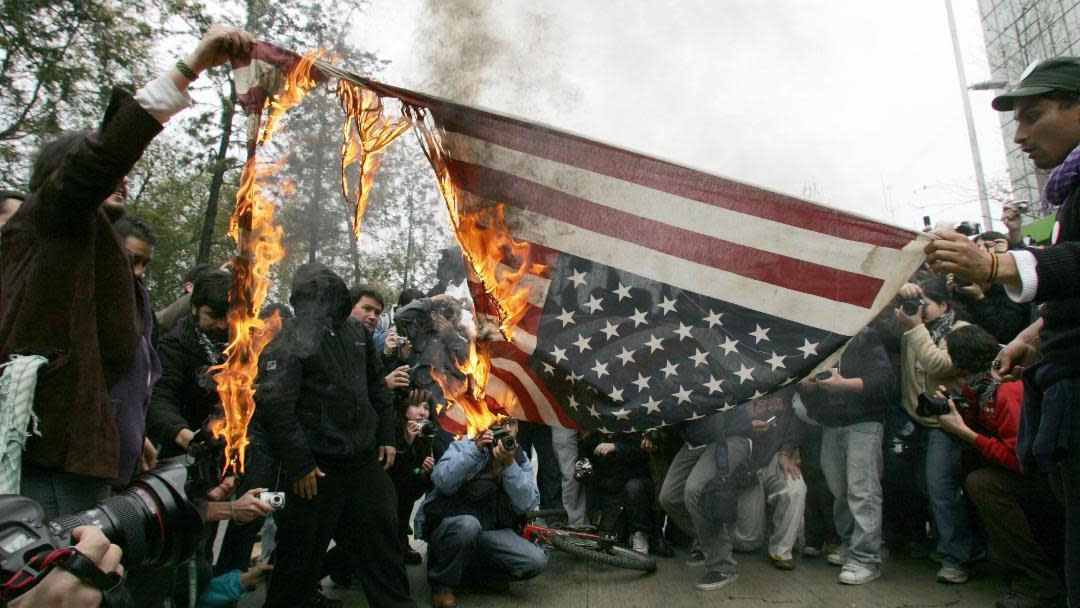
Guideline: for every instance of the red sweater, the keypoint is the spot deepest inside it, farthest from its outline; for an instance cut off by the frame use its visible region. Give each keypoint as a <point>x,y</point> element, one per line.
<point>1004,422</point>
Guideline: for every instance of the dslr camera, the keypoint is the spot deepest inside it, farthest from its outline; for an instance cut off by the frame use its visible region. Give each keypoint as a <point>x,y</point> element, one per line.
<point>152,521</point>
<point>929,406</point>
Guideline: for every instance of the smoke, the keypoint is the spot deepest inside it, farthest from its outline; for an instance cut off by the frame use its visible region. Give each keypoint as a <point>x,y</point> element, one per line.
<point>472,53</point>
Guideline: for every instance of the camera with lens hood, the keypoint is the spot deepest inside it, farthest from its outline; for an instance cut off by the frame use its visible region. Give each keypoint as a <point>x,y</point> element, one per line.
<point>152,521</point>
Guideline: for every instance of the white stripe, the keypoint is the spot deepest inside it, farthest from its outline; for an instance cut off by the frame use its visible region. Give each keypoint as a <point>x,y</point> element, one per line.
<point>688,214</point>
<point>543,406</point>
<point>251,75</point>
<point>815,311</point>
<point>522,339</point>
<point>499,391</point>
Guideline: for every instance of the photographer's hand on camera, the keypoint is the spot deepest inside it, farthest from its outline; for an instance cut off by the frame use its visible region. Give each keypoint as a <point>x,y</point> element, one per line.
<point>953,422</point>
<point>483,440</point>
<point>61,589</point>
<point>391,345</point>
<point>1018,354</point>
<point>249,507</point>
<point>308,486</point>
<point>909,321</point>
<point>399,378</point>
<point>412,430</point>
<point>503,456</point>
<point>974,291</point>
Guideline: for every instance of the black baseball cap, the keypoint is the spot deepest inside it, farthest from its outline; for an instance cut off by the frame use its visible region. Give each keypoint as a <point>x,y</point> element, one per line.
<point>1057,74</point>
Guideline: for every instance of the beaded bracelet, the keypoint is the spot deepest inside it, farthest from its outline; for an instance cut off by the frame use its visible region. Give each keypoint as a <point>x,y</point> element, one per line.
<point>186,70</point>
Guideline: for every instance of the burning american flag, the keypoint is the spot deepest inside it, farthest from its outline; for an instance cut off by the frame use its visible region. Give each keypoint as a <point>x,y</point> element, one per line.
<point>636,292</point>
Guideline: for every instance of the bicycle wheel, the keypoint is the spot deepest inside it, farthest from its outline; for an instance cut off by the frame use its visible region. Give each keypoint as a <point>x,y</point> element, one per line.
<point>604,553</point>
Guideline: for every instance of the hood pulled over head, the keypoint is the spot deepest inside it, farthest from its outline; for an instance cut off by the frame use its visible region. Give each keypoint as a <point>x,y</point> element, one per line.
<point>319,296</point>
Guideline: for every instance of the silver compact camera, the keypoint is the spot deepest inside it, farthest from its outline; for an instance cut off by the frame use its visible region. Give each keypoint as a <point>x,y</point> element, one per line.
<point>274,499</point>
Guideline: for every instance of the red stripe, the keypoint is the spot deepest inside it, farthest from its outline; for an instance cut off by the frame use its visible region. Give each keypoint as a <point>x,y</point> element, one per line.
<point>452,426</point>
<point>782,271</point>
<point>506,350</point>
<point>528,408</point>
<point>617,163</point>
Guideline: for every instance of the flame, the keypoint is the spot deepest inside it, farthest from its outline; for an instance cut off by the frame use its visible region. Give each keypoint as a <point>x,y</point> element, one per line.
<point>259,247</point>
<point>497,260</point>
<point>365,135</point>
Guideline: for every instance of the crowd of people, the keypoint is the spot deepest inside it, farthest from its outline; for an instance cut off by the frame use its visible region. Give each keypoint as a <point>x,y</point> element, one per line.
<point>927,438</point>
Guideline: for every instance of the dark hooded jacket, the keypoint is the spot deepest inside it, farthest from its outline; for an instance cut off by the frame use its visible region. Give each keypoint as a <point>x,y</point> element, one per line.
<point>320,394</point>
<point>186,394</point>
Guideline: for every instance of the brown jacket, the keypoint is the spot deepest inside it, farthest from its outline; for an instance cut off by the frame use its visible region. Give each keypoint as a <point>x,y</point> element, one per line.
<point>68,293</point>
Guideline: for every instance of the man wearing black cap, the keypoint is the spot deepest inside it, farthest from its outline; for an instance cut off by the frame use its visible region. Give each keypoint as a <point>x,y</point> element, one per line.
<point>1046,106</point>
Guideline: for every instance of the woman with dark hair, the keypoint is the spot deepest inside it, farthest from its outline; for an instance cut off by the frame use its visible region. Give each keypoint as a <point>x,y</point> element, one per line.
<point>924,365</point>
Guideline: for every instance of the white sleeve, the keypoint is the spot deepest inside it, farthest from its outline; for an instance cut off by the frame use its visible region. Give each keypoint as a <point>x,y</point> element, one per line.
<point>1029,279</point>
<point>161,99</point>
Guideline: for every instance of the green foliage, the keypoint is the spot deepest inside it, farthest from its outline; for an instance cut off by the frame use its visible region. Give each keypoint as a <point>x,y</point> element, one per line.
<point>58,61</point>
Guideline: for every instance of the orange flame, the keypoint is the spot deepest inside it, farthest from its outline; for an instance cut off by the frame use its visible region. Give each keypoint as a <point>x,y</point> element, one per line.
<point>365,135</point>
<point>259,247</point>
<point>499,262</point>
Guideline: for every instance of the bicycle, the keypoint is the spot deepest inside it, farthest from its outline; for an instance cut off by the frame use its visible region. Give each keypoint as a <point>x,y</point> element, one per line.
<point>585,542</point>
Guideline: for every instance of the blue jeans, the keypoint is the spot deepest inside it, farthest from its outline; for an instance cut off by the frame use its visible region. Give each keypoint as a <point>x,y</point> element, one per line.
<point>460,549</point>
<point>851,459</point>
<point>947,503</point>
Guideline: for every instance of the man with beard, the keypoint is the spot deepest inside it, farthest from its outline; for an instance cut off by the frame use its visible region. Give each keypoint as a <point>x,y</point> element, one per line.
<point>69,293</point>
<point>330,418</point>
<point>186,395</point>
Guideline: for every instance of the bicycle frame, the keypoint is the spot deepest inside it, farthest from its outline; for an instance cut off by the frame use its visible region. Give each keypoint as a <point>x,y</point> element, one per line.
<point>537,534</point>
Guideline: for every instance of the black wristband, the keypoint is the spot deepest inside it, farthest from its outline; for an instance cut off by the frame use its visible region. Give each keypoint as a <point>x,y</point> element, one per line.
<point>86,570</point>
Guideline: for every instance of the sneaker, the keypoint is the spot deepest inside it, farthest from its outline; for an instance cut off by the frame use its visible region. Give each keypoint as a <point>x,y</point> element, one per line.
<point>838,556</point>
<point>809,551</point>
<point>783,564</point>
<point>715,579</point>
<point>697,557</point>
<point>952,576</point>
<point>318,600</point>
<point>639,542</point>
<point>857,574</point>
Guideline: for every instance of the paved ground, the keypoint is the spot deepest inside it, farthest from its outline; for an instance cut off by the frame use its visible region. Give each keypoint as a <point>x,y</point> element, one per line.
<point>571,583</point>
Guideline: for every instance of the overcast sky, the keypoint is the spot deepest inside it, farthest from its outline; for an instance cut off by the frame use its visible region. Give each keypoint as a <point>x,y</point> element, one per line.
<point>856,101</point>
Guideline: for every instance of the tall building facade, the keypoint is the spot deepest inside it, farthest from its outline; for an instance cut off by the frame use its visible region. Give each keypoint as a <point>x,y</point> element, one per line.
<point>1018,32</point>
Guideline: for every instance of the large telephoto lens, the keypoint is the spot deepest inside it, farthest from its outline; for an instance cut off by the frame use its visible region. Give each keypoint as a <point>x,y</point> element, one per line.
<point>152,520</point>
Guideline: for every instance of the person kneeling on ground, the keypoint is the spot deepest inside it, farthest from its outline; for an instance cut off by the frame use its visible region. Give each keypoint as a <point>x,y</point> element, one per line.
<point>1023,520</point>
<point>481,491</point>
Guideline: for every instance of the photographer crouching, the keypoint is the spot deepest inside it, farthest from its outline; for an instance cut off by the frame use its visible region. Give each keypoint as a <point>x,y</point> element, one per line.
<point>1023,520</point>
<point>483,486</point>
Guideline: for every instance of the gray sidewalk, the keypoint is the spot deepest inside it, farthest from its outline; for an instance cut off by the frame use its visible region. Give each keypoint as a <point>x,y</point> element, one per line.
<point>571,583</point>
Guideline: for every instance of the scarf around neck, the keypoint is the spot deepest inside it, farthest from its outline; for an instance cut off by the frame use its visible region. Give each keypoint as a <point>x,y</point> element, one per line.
<point>1063,178</point>
<point>941,325</point>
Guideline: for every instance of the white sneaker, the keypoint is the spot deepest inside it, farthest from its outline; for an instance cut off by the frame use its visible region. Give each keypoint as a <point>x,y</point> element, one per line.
<point>952,576</point>
<point>640,542</point>
<point>837,556</point>
<point>857,574</point>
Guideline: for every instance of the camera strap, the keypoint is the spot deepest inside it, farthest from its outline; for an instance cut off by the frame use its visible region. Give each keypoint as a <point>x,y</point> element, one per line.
<point>82,567</point>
